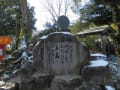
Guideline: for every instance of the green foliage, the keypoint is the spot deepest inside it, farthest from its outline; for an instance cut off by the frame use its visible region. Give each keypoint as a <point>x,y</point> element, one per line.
<point>92,25</point>
<point>7,18</point>
<point>108,2</point>
<point>10,18</point>
<point>100,12</point>
<point>97,14</point>
<point>92,15</point>
<point>32,21</point>
<point>114,7</point>
<point>90,41</point>
<point>78,26</point>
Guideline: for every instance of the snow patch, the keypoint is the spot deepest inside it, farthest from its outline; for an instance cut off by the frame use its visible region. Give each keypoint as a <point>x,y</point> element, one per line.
<point>109,88</point>
<point>98,63</point>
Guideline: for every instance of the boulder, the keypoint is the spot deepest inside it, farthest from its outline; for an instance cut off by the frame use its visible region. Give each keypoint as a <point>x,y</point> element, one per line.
<point>97,71</point>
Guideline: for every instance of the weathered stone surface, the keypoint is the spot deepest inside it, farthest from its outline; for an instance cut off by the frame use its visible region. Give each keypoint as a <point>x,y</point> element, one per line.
<point>66,82</point>
<point>98,74</point>
<point>89,86</point>
<point>60,53</point>
<point>43,81</point>
<point>36,82</point>
<point>28,84</point>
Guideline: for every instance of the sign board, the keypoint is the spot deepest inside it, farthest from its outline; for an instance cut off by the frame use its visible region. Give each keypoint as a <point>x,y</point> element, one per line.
<point>5,40</point>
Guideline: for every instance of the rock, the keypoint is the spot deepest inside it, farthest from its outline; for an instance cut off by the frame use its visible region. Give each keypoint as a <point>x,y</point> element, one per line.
<point>97,71</point>
<point>109,88</point>
<point>28,84</point>
<point>8,86</point>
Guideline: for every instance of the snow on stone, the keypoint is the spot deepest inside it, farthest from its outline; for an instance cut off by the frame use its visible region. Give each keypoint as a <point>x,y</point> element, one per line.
<point>109,88</point>
<point>98,54</point>
<point>64,33</point>
<point>98,63</point>
<point>46,36</point>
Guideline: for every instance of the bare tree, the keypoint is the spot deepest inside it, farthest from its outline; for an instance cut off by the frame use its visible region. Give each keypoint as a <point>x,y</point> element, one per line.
<point>57,7</point>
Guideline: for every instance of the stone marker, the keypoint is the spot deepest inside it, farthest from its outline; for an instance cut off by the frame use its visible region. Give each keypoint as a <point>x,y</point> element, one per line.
<point>59,53</point>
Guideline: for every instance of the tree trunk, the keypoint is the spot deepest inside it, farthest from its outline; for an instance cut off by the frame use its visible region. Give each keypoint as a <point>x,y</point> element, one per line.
<point>24,21</point>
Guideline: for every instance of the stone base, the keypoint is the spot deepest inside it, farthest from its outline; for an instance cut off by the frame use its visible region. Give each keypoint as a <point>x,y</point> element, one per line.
<point>36,82</point>
<point>27,84</point>
<point>66,82</point>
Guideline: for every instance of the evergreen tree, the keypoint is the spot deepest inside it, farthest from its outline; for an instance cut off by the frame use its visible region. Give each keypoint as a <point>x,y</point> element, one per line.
<point>10,17</point>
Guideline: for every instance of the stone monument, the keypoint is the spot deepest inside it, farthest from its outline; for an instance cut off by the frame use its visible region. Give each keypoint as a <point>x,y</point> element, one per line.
<point>62,56</point>
<point>59,53</point>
